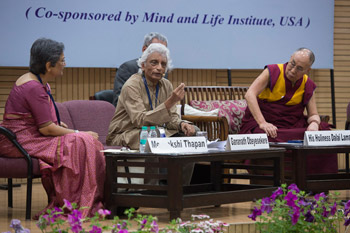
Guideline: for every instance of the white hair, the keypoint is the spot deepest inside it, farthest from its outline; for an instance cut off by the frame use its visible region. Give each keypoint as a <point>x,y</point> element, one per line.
<point>155,48</point>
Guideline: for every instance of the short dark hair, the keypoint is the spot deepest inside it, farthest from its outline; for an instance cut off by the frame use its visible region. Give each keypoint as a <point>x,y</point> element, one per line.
<point>152,35</point>
<point>44,50</point>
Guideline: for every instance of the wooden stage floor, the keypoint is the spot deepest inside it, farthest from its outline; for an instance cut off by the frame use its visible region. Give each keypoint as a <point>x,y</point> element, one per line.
<point>234,214</point>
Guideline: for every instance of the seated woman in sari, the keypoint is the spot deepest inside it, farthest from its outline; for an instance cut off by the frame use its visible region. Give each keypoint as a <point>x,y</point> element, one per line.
<point>72,166</point>
<point>276,102</point>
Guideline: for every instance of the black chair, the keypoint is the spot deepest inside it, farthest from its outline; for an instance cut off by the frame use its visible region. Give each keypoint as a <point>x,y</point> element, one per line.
<point>18,167</point>
<point>106,95</point>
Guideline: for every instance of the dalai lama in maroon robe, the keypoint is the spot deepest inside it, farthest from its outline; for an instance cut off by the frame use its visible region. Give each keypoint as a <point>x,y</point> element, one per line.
<point>276,102</point>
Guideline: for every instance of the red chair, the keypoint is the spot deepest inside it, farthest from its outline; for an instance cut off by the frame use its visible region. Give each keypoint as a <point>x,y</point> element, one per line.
<point>84,115</point>
<point>25,167</point>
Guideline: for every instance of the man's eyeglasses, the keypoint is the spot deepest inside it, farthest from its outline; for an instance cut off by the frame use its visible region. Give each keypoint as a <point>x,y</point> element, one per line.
<point>299,68</point>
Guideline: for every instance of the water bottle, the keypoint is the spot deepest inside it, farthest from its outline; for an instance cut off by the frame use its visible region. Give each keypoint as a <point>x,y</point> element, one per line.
<point>161,132</point>
<point>152,133</point>
<point>143,139</point>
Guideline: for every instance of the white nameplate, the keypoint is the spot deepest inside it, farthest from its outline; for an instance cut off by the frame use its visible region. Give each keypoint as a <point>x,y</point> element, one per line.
<point>177,145</point>
<point>327,138</point>
<point>247,142</point>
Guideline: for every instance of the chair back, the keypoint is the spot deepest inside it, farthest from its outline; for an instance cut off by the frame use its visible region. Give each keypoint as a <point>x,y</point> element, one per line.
<point>106,95</point>
<point>216,126</point>
<point>14,164</point>
<point>212,93</point>
<point>88,115</point>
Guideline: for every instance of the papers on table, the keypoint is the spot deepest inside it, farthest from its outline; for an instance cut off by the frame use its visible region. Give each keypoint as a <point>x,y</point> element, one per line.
<point>117,151</point>
<point>217,145</point>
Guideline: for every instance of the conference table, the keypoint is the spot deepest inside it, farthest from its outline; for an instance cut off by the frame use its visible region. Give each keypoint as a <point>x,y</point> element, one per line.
<point>313,182</point>
<point>170,193</point>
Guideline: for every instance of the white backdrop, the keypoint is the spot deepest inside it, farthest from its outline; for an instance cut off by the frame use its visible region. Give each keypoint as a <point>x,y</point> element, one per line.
<point>228,34</point>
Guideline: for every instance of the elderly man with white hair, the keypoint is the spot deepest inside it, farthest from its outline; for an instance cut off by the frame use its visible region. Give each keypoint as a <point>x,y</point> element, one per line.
<point>148,99</point>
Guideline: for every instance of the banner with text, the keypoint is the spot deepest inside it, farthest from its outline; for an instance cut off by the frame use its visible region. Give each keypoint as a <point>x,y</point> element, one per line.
<point>226,34</point>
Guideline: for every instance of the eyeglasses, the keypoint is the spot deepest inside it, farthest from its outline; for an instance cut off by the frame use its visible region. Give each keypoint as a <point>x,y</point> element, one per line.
<point>299,68</point>
<point>156,63</point>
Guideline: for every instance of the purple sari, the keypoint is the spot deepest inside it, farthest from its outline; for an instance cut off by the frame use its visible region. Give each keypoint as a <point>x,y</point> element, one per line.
<point>72,165</point>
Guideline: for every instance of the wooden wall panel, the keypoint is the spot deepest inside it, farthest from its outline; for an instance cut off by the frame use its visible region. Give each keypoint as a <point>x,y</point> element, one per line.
<point>80,83</point>
<point>244,77</point>
<point>341,59</point>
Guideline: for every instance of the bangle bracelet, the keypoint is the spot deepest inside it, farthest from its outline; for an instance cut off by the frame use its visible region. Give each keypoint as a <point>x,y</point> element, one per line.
<point>76,131</point>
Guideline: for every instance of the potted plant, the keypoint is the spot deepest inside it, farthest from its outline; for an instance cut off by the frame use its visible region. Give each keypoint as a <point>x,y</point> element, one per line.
<point>69,219</point>
<point>290,210</point>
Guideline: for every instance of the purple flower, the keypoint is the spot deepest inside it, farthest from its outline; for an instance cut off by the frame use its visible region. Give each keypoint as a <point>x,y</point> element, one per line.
<point>346,212</point>
<point>103,212</point>
<point>16,224</point>
<point>56,213</point>
<point>347,208</point>
<point>74,220</point>
<point>154,227</point>
<point>325,212</point>
<point>123,231</point>
<point>266,205</point>
<point>256,212</point>
<point>295,215</point>
<point>347,205</point>
<point>277,193</point>
<point>302,202</point>
<point>309,217</point>
<point>294,187</point>
<point>95,229</point>
<point>291,198</point>
<point>318,196</point>
<point>44,220</point>
<point>67,204</point>
<point>334,208</point>
<point>143,223</point>
<point>347,222</point>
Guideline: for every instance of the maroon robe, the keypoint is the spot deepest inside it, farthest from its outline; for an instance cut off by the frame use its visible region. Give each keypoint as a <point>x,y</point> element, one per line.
<point>290,120</point>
